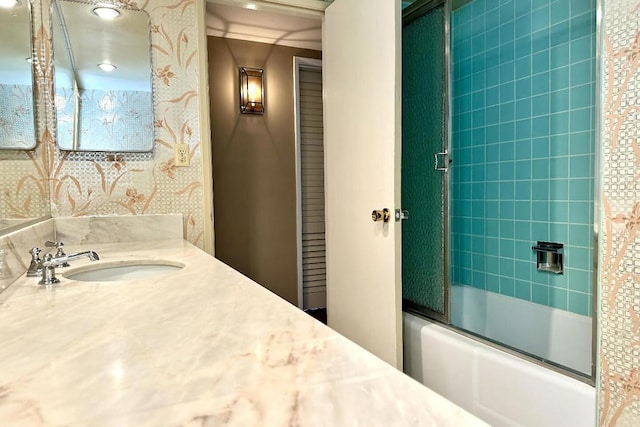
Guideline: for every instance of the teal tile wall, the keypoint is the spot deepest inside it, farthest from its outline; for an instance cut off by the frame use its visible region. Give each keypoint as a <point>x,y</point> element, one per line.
<point>523,146</point>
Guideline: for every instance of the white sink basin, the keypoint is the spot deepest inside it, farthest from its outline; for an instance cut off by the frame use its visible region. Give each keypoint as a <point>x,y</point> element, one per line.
<point>122,270</point>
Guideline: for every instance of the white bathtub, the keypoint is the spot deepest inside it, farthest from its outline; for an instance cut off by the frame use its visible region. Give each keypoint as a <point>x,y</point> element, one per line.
<point>500,388</point>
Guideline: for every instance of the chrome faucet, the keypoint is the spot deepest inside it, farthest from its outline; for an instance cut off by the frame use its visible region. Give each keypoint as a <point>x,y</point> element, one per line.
<point>50,263</point>
<point>35,268</point>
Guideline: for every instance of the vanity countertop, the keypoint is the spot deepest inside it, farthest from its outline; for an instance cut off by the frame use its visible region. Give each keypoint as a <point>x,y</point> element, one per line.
<point>202,346</point>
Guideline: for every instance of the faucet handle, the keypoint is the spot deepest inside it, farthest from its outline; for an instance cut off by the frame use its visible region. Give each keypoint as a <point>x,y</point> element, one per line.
<point>35,268</point>
<point>59,251</point>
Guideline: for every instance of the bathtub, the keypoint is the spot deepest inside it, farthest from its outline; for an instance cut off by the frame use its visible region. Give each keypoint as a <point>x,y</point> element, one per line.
<point>500,388</point>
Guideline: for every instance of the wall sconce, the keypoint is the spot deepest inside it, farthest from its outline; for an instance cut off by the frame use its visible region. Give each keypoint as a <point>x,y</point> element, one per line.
<point>251,90</point>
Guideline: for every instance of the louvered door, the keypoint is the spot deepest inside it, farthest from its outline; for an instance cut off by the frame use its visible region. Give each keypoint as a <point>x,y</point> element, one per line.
<point>312,189</point>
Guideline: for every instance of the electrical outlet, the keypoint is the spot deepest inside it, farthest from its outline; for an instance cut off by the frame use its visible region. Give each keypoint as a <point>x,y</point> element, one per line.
<point>182,154</point>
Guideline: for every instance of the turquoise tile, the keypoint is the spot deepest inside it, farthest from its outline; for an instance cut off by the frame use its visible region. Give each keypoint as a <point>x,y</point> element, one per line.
<point>478,43</point>
<point>507,189</point>
<point>523,46</point>
<point>477,138</point>
<point>507,173</point>
<point>523,92</point>
<point>578,258</point>
<point>559,123</point>
<point>523,172</point>
<point>478,8</point>
<point>507,286</point>
<point>523,149</point>
<point>579,280</point>
<point>558,298</point>
<point>540,294</point>
<point>478,25</point>
<point>507,33</point>
<point>507,11</point>
<point>580,212</point>
<point>477,206</point>
<point>506,260</point>
<point>478,171</point>
<point>579,303</point>
<point>581,73</point>
<point>478,225</point>
<point>540,105</point>
<point>559,78</point>
<point>492,228</point>
<point>478,279</point>
<point>559,212</point>
<point>558,232</point>
<point>540,126</point>
<point>581,26</point>
<point>522,250</point>
<point>558,145</point>
<point>580,96</point>
<point>521,7</point>
<point>492,115</point>
<point>507,92</point>
<point>477,63</point>
<point>580,189</point>
<point>522,211</point>
<point>523,67</point>
<point>580,166</point>
<point>523,25</point>
<point>491,61</point>
<point>492,135</point>
<point>507,150</point>
<point>478,118</point>
<point>507,226</point>
<point>539,19</point>
<point>493,249</point>
<point>560,55</point>
<point>492,39</point>
<point>582,143</point>
<point>581,49</point>
<point>539,210</point>
<point>559,11</point>
<point>540,40</point>
<point>492,189</point>
<point>507,71</point>
<point>507,131</point>
<point>581,6</point>
<point>506,210</point>
<point>492,96</point>
<point>540,171</point>
<point>523,290</point>
<point>522,229</point>
<point>522,269</point>
<point>540,62</point>
<point>492,210</point>
<point>477,99</point>
<point>540,189</point>
<point>559,100</point>
<point>560,33</point>
<point>465,276</point>
<point>507,112</point>
<point>477,244</point>
<point>493,283</point>
<point>540,231</point>
<point>523,128</point>
<point>580,235</point>
<point>523,104</point>
<point>540,83</point>
<point>580,120</point>
<point>539,146</point>
<point>538,277</point>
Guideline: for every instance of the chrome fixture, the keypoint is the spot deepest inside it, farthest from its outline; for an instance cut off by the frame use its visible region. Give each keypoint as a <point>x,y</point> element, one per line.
<point>549,257</point>
<point>445,159</point>
<point>50,263</point>
<point>59,251</point>
<point>35,268</point>
<point>401,214</point>
<point>381,215</point>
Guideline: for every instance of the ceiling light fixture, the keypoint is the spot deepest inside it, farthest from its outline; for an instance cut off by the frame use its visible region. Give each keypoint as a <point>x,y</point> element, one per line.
<point>6,4</point>
<point>105,66</point>
<point>106,12</point>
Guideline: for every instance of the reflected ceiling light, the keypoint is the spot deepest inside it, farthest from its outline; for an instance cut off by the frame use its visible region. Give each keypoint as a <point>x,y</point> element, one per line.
<point>105,66</point>
<point>29,60</point>
<point>106,12</point>
<point>251,90</point>
<point>8,3</point>
<point>251,6</point>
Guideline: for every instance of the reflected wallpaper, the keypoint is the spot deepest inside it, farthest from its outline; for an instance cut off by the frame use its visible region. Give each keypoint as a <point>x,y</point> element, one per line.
<point>16,123</point>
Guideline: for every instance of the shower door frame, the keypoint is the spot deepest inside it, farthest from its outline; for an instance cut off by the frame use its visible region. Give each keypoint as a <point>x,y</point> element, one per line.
<point>411,13</point>
<point>420,8</point>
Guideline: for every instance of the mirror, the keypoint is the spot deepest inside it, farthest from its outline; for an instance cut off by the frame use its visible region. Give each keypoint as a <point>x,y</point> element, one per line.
<point>17,123</point>
<point>103,89</point>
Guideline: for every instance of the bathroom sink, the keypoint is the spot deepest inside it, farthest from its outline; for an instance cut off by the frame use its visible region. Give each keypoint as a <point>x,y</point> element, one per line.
<point>122,270</point>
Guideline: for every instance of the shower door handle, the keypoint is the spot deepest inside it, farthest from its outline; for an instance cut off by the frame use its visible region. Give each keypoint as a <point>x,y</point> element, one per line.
<point>446,161</point>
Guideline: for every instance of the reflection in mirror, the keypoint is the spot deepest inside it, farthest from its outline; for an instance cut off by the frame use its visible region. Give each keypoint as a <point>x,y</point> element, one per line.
<point>103,93</point>
<point>17,124</point>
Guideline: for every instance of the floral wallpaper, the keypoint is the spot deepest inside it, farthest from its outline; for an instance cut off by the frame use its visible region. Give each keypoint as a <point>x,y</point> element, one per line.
<point>93,183</point>
<point>16,103</point>
<point>619,358</point>
<point>122,119</point>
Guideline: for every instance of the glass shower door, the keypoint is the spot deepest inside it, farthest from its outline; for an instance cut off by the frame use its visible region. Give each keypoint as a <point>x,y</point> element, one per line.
<point>425,160</point>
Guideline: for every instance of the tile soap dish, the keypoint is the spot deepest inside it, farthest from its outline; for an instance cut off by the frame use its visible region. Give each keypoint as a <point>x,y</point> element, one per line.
<point>549,257</point>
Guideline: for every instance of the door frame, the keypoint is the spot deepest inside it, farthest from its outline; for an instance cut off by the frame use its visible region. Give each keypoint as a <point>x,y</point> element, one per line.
<point>298,64</point>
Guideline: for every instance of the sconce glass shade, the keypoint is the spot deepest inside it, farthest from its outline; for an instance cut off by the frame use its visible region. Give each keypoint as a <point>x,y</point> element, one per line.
<point>251,90</point>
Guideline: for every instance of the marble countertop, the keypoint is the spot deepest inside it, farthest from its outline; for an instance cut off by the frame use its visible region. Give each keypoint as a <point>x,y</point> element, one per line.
<point>202,346</point>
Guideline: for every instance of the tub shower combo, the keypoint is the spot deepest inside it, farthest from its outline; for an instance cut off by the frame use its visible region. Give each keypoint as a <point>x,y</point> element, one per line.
<point>499,174</point>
